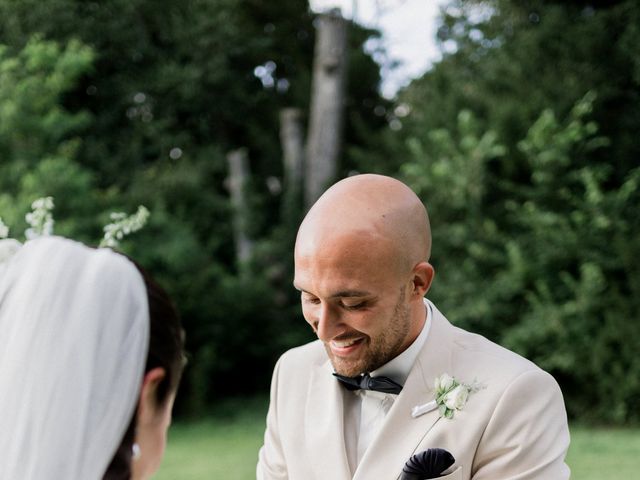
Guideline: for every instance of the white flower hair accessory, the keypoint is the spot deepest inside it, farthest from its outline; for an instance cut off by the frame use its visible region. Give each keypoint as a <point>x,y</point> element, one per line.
<point>450,395</point>
<point>41,224</point>
<point>123,225</point>
<point>40,219</point>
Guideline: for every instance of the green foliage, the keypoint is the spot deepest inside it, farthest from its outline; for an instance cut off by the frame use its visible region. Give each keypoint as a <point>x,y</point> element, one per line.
<point>145,115</point>
<point>39,138</point>
<point>507,61</point>
<point>535,230</point>
<point>453,167</point>
<point>32,122</point>
<point>545,267</point>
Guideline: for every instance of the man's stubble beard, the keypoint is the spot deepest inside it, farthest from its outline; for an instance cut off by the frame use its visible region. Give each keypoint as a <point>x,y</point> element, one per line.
<point>381,349</point>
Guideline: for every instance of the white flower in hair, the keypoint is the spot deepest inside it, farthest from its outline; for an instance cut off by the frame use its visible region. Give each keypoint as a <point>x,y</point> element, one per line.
<point>41,224</point>
<point>123,225</point>
<point>40,219</point>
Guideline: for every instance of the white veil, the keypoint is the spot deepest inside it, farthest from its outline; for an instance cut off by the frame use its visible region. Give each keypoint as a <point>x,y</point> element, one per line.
<point>74,334</point>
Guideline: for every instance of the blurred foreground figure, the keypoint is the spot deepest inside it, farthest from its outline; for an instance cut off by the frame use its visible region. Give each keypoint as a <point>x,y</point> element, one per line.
<point>389,376</point>
<point>91,353</point>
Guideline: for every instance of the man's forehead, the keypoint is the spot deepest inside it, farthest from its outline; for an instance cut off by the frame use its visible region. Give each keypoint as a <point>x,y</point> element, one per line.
<point>357,271</point>
<point>327,244</point>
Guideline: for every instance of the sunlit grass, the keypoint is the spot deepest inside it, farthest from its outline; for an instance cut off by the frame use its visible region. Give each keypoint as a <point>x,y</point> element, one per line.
<point>225,445</point>
<point>598,453</point>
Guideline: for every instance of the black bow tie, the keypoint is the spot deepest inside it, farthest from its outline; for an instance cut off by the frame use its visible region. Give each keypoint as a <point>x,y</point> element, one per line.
<point>367,382</point>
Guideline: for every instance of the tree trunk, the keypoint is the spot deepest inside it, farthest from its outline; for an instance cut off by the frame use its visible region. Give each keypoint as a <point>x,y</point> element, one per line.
<point>292,141</point>
<point>238,177</point>
<point>327,104</point>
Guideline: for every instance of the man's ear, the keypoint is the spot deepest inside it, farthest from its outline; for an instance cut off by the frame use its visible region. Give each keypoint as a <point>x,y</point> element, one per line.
<point>423,274</point>
<point>147,406</point>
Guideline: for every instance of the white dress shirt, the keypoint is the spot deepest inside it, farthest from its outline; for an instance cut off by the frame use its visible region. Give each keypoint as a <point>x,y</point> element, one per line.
<point>365,410</point>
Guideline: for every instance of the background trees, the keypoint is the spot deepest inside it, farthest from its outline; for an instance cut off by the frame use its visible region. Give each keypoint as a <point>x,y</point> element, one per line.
<point>521,141</point>
<point>155,95</point>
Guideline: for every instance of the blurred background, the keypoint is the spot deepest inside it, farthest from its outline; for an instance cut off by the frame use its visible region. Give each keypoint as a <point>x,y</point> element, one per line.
<point>515,121</point>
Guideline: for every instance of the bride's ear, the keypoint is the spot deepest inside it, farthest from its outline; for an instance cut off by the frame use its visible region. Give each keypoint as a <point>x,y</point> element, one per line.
<point>148,404</point>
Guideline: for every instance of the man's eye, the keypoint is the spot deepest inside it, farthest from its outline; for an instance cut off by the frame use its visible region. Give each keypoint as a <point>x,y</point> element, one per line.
<point>311,300</point>
<point>354,306</point>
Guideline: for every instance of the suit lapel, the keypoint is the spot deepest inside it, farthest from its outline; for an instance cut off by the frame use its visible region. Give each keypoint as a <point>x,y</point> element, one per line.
<point>401,434</point>
<point>324,425</point>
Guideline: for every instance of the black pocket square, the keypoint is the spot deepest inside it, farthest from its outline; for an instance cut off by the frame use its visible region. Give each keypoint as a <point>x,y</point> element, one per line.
<point>428,464</point>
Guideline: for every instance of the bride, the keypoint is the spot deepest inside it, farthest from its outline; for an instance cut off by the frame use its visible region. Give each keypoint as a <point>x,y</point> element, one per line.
<point>91,353</point>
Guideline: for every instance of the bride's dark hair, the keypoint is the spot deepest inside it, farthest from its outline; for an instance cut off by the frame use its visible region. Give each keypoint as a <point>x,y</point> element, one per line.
<point>166,350</point>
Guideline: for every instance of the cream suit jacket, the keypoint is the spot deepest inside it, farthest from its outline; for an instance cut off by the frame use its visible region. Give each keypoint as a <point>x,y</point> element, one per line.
<point>514,428</point>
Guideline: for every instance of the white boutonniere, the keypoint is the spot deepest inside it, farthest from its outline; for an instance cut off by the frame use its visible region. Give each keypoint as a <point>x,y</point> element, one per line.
<point>450,395</point>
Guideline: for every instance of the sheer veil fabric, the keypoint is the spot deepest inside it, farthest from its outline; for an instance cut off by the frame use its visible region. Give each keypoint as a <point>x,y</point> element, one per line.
<point>74,334</point>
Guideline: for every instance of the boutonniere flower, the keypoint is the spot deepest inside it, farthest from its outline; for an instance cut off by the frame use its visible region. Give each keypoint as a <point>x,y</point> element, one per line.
<point>450,395</point>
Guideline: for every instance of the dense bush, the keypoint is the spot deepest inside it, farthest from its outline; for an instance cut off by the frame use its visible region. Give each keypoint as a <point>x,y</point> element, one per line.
<point>546,268</point>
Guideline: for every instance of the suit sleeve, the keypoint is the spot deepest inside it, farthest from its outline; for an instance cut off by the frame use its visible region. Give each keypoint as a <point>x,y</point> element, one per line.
<point>527,436</point>
<point>271,460</point>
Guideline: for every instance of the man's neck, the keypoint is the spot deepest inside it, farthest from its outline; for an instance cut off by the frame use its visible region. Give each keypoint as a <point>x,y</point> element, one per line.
<point>399,367</point>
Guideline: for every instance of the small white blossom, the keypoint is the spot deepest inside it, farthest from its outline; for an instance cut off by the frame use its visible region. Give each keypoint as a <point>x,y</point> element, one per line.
<point>122,225</point>
<point>456,398</point>
<point>40,219</point>
<point>452,395</point>
<point>41,224</point>
<point>443,382</point>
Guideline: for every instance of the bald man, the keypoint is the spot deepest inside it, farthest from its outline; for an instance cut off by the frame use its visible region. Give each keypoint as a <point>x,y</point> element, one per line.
<point>361,400</point>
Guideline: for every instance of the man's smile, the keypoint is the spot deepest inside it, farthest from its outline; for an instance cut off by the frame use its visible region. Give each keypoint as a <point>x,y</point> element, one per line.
<point>345,347</point>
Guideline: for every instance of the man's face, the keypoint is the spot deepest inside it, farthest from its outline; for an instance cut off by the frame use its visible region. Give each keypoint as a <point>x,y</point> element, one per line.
<point>356,301</point>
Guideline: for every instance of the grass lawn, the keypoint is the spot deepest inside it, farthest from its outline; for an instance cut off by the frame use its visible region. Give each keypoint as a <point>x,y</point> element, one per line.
<point>597,453</point>
<point>226,445</point>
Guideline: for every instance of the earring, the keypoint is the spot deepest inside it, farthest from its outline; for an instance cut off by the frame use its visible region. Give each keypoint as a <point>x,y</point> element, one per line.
<point>135,452</point>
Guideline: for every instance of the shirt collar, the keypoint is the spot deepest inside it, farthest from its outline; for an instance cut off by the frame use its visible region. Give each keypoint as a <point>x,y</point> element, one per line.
<point>399,367</point>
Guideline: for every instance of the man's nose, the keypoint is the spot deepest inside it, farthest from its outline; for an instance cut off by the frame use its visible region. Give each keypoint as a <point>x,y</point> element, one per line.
<point>328,321</point>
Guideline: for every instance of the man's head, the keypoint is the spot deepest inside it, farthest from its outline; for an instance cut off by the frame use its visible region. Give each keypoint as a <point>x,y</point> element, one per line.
<point>361,265</point>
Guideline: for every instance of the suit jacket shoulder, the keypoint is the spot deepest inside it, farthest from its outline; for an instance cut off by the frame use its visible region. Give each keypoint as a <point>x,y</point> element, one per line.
<point>484,359</point>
